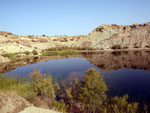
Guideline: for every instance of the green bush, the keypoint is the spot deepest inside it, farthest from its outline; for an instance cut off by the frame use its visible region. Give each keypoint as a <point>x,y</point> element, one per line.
<point>121,105</point>
<point>42,85</point>
<point>87,95</point>
<point>60,106</point>
<point>26,91</point>
<point>12,57</point>
<point>34,52</point>
<point>93,93</point>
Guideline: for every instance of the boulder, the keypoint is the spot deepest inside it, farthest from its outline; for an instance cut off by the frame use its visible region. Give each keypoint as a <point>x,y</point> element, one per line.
<point>12,103</point>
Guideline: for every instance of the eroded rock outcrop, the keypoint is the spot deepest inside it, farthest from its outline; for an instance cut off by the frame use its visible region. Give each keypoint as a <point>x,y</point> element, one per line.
<point>104,37</point>
<point>127,37</point>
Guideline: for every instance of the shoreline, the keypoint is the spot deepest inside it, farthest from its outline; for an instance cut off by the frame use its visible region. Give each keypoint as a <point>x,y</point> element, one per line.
<point>8,66</point>
<point>117,50</point>
<point>73,51</point>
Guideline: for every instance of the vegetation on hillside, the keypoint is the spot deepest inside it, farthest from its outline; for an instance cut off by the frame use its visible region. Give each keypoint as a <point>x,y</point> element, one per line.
<point>66,52</point>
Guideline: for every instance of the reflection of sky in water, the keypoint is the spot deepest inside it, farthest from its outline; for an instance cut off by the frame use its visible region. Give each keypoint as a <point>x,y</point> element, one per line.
<point>134,82</point>
<point>56,67</point>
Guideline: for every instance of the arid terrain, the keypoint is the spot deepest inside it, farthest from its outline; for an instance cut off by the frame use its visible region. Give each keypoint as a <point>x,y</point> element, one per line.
<point>104,37</point>
<point>118,41</point>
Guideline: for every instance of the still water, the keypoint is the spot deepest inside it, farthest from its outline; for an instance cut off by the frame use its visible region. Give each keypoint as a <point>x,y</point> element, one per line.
<point>123,72</point>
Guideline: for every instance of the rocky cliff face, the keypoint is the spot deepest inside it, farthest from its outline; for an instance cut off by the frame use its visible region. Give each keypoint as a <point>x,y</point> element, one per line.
<point>125,37</point>
<point>103,37</point>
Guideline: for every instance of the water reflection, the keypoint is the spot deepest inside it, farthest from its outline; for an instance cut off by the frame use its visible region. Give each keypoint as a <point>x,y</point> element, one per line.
<point>124,72</point>
<point>58,67</point>
<point>117,60</point>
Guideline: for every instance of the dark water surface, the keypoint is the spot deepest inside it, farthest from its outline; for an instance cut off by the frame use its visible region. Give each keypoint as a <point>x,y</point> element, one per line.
<point>124,72</point>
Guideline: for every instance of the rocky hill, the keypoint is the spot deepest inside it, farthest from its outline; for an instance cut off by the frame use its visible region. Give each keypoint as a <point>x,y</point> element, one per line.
<point>104,37</point>
<point>126,37</point>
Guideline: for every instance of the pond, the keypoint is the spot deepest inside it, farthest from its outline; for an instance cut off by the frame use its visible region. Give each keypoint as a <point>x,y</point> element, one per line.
<point>125,72</point>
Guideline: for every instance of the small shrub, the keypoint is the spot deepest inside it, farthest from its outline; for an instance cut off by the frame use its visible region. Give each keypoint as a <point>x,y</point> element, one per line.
<point>121,105</point>
<point>60,106</point>
<point>13,57</point>
<point>55,40</point>
<point>30,96</point>
<point>34,52</point>
<point>93,92</point>
<point>27,53</point>
<point>125,47</point>
<point>42,85</point>
<point>116,47</point>
<point>26,91</point>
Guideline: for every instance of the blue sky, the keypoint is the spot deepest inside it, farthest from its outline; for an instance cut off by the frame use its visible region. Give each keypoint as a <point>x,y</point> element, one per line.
<point>69,17</point>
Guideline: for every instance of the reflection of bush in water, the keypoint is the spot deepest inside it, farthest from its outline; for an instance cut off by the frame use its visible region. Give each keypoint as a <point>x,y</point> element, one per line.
<point>101,66</point>
<point>125,52</point>
<point>138,53</point>
<point>35,58</point>
<point>116,46</point>
<point>147,51</point>
<point>116,53</point>
<point>134,67</point>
